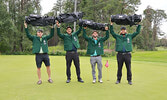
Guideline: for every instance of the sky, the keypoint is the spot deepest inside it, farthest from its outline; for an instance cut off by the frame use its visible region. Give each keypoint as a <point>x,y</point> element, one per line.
<point>155,4</point>
<point>47,5</point>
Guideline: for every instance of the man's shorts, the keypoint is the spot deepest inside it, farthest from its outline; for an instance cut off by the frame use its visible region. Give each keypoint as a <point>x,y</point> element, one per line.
<point>42,58</point>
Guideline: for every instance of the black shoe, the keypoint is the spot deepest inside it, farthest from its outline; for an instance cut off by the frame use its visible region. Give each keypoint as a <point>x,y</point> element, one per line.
<point>39,82</point>
<point>81,81</point>
<point>117,82</point>
<point>130,82</point>
<point>50,81</point>
<point>68,81</point>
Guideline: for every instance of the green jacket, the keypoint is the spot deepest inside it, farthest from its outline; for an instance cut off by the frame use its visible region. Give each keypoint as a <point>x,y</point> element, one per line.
<point>92,46</point>
<point>69,40</point>
<point>124,42</point>
<point>37,43</point>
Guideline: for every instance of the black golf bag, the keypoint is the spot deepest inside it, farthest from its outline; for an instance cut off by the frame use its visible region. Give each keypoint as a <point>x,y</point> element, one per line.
<point>69,17</point>
<point>37,20</point>
<point>93,25</point>
<point>126,20</point>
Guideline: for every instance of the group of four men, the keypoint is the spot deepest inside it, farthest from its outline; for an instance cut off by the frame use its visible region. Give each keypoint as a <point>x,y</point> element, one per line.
<point>94,49</point>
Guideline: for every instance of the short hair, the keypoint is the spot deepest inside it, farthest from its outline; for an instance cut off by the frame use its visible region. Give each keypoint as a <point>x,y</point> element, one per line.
<point>40,30</point>
<point>68,27</point>
<point>94,31</point>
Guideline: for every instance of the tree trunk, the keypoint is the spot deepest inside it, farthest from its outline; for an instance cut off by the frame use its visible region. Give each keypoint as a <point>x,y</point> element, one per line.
<point>21,35</point>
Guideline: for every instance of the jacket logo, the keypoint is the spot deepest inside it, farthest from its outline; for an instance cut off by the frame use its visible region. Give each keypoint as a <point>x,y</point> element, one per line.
<point>75,39</point>
<point>127,40</point>
<point>99,45</point>
<point>44,42</point>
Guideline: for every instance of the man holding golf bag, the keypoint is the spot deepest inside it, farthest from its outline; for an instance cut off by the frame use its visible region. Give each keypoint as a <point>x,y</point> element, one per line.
<point>95,50</point>
<point>40,49</point>
<point>71,44</point>
<point>124,48</point>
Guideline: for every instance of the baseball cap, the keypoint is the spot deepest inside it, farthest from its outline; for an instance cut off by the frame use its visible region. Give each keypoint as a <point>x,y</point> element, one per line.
<point>123,28</point>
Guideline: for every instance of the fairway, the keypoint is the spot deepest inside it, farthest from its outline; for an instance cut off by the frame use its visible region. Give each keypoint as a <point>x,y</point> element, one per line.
<point>18,79</point>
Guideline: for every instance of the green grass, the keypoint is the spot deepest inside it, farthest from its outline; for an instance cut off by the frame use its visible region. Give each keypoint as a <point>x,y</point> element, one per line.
<point>18,79</point>
<point>150,56</point>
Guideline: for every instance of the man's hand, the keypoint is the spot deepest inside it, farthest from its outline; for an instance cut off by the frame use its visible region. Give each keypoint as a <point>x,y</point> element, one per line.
<point>138,23</point>
<point>57,24</point>
<point>106,28</point>
<point>85,28</point>
<point>25,24</point>
<point>111,23</point>
<point>52,26</point>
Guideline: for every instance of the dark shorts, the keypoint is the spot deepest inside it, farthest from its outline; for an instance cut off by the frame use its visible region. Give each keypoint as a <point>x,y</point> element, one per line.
<point>42,58</point>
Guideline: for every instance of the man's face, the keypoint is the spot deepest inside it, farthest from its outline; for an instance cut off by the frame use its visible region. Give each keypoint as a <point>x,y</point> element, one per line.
<point>39,34</point>
<point>123,31</point>
<point>94,34</point>
<point>69,30</point>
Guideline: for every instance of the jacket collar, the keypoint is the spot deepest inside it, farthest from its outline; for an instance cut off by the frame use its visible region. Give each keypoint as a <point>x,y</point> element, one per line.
<point>68,34</point>
<point>39,38</point>
<point>125,35</point>
<point>94,39</point>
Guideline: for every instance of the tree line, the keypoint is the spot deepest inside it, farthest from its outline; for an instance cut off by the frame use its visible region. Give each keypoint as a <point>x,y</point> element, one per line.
<point>12,15</point>
<point>13,12</point>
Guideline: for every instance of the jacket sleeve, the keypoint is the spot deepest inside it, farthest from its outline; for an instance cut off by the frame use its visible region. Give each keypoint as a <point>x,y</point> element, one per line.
<point>137,31</point>
<point>28,34</point>
<point>51,34</point>
<point>78,31</point>
<point>112,32</point>
<point>106,37</point>
<point>60,34</point>
<point>85,36</point>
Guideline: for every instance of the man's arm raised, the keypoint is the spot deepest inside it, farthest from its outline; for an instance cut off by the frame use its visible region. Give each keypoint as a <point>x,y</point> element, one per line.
<point>27,32</point>
<point>51,33</point>
<point>84,34</point>
<point>58,30</point>
<point>107,34</point>
<point>137,31</point>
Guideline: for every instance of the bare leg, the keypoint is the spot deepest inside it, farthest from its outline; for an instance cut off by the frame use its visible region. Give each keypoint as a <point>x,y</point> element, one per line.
<point>39,73</point>
<point>48,71</point>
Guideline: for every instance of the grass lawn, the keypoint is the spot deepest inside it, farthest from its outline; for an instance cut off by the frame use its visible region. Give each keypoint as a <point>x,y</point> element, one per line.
<point>18,79</point>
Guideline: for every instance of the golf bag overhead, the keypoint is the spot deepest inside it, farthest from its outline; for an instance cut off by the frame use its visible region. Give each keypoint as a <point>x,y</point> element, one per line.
<point>126,20</point>
<point>37,20</point>
<point>69,17</point>
<point>92,25</point>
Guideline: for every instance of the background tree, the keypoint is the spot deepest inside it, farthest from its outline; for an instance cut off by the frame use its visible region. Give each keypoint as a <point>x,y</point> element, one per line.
<point>151,28</point>
<point>6,27</point>
<point>16,10</point>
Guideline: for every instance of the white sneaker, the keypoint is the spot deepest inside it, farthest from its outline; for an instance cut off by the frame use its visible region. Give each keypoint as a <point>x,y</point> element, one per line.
<point>100,81</point>
<point>94,81</point>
